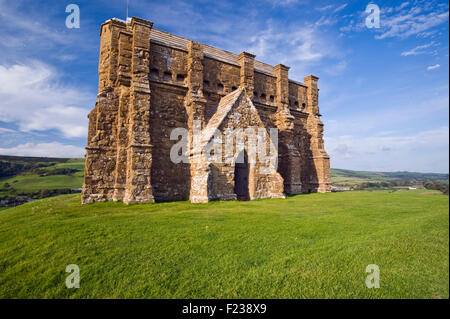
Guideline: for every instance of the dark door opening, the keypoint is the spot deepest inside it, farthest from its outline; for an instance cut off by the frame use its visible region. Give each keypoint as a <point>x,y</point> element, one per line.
<point>241,173</point>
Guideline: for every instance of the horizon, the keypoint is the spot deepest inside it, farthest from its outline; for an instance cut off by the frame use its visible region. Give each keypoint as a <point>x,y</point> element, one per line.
<point>383,92</point>
<point>336,168</point>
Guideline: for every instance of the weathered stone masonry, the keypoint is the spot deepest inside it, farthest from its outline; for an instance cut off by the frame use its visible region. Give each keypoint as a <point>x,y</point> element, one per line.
<point>151,82</point>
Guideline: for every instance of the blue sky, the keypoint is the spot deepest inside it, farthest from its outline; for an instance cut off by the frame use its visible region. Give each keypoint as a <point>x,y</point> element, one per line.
<point>383,92</point>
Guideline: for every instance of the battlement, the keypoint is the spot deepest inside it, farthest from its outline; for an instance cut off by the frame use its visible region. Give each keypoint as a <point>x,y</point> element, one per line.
<point>179,44</point>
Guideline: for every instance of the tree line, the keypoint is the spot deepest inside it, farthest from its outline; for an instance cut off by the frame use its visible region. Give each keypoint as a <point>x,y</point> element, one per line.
<point>435,185</point>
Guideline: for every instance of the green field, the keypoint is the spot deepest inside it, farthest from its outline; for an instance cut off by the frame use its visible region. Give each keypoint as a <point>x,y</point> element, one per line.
<point>33,182</point>
<point>305,246</point>
<point>27,182</point>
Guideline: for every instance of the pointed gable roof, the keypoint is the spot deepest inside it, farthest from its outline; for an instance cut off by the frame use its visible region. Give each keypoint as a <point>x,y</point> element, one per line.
<point>225,106</point>
<point>224,109</point>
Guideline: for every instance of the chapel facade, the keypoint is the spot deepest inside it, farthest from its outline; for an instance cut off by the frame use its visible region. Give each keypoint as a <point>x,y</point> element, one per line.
<point>251,132</point>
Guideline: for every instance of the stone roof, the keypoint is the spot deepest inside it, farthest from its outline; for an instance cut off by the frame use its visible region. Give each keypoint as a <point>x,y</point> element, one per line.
<point>174,41</point>
<point>224,107</point>
<point>223,110</point>
<point>177,42</point>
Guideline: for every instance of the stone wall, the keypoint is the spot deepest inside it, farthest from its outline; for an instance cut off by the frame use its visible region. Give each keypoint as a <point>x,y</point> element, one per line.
<point>151,82</point>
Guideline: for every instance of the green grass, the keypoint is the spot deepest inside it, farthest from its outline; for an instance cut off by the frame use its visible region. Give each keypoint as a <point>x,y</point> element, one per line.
<point>305,246</point>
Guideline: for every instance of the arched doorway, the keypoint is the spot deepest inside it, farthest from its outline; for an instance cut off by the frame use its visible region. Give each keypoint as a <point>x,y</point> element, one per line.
<point>241,174</point>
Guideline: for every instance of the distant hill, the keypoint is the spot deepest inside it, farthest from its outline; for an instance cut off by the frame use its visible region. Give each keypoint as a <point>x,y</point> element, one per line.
<point>349,177</point>
<point>26,178</point>
<point>32,159</point>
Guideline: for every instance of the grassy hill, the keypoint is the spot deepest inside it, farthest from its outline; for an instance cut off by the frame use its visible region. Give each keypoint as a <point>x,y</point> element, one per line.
<point>349,177</point>
<point>305,246</point>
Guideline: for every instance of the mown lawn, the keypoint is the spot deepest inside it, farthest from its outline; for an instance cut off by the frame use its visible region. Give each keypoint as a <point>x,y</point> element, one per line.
<point>305,246</point>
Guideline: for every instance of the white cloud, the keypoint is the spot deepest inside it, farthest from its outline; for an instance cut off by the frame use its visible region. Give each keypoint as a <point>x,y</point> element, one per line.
<point>337,68</point>
<point>410,22</point>
<point>295,46</point>
<point>426,151</point>
<point>340,8</point>
<point>406,133</point>
<point>307,47</point>
<point>325,8</point>
<point>283,2</point>
<point>410,111</point>
<point>31,29</point>
<point>34,99</point>
<point>52,149</point>
<point>404,4</point>
<point>330,6</point>
<point>402,21</point>
<point>357,23</point>
<point>417,50</point>
<point>66,57</point>
<point>6,130</point>
<point>298,44</point>
<point>325,20</point>
<point>432,67</point>
<point>427,34</point>
<point>343,151</point>
<point>393,9</point>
